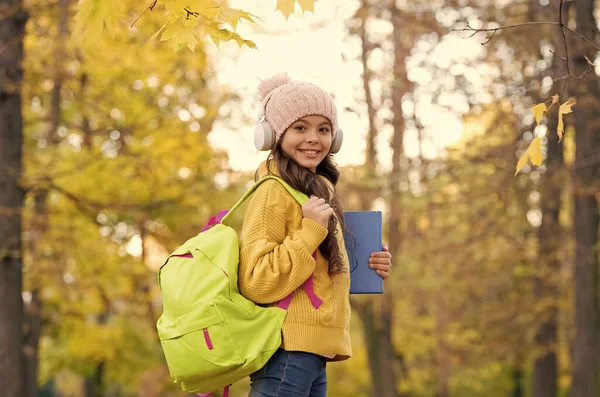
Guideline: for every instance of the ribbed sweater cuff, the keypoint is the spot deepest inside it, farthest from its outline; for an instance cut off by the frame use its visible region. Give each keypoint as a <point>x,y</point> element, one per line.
<point>312,234</point>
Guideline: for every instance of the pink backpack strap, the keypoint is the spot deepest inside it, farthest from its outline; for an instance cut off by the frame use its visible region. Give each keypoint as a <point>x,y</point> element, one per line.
<point>215,220</point>
<point>310,290</point>
<point>309,287</point>
<point>225,393</point>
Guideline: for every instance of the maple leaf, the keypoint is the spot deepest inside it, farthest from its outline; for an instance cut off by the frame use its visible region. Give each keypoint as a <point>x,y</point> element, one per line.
<point>178,7</point>
<point>181,34</point>
<point>538,111</point>
<point>217,35</point>
<point>233,16</point>
<point>565,108</point>
<point>93,16</point>
<point>211,11</point>
<point>287,6</point>
<point>307,5</point>
<point>533,153</point>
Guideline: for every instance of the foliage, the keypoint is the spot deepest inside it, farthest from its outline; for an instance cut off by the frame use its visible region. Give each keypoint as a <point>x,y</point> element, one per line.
<point>117,166</point>
<point>187,21</point>
<point>118,171</point>
<point>534,151</point>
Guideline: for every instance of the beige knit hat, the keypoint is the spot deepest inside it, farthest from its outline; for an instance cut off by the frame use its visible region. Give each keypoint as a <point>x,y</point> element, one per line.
<point>284,101</point>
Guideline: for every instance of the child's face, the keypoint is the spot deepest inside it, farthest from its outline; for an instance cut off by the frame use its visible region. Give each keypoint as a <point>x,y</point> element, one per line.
<point>308,140</point>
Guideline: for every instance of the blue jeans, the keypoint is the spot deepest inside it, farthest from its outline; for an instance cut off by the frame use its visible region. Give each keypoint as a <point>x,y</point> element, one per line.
<point>291,374</point>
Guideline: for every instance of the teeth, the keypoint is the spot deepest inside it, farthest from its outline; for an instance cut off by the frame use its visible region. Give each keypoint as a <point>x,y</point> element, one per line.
<point>309,151</point>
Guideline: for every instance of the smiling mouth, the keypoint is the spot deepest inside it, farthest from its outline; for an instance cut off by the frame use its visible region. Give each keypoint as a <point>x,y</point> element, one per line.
<point>309,153</point>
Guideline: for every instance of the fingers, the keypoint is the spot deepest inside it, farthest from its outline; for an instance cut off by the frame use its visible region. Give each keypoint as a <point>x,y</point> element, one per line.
<point>311,200</point>
<point>317,210</point>
<point>386,248</point>
<point>380,265</point>
<point>314,201</point>
<point>318,204</point>
<point>382,254</point>
<point>329,210</point>
<point>383,269</point>
<point>381,262</point>
<point>324,207</point>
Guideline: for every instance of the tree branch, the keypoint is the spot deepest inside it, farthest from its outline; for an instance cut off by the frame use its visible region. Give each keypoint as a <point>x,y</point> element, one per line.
<point>469,28</point>
<point>564,35</point>
<point>563,27</point>
<point>150,7</point>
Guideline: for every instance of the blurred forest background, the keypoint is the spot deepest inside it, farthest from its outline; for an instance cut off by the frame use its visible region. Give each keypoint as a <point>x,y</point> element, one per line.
<point>494,289</point>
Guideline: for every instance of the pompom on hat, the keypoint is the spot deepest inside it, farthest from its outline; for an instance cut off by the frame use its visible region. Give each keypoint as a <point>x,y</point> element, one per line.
<point>284,101</point>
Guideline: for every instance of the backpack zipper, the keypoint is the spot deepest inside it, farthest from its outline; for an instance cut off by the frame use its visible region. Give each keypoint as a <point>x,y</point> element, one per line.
<point>207,339</point>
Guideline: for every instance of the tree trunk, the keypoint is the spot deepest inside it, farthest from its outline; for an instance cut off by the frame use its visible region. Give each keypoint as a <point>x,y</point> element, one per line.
<point>549,236</point>
<point>58,63</point>
<point>586,348</point>
<point>380,349</point>
<point>33,308</point>
<point>94,384</point>
<point>377,324</point>
<point>12,29</point>
<point>545,370</point>
<point>517,377</point>
<point>33,331</point>
<point>370,158</point>
<point>375,314</point>
<point>443,359</point>
<point>378,331</point>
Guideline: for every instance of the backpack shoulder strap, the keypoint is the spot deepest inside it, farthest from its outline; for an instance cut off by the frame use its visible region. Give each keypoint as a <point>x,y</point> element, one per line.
<point>300,197</point>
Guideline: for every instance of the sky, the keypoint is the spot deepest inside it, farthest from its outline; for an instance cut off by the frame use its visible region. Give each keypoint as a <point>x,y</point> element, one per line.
<point>316,48</point>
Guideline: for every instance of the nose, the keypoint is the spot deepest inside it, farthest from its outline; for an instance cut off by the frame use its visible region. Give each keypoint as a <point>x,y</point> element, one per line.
<point>311,136</point>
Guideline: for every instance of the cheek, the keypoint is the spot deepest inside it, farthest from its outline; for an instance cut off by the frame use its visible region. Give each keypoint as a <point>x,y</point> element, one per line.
<point>287,149</point>
<point>289,146</point>
<point>326,141</point>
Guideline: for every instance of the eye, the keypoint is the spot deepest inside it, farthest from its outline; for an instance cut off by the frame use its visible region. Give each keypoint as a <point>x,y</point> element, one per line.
<point>300,127</point>
<point>325,130</point>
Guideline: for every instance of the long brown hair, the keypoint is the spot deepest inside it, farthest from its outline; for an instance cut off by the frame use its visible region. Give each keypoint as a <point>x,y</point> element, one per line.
<point>310,184</point>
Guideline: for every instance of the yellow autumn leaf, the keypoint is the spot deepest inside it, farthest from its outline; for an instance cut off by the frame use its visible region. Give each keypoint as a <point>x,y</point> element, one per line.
<point>233,16</point>
<point>287,6</point>
<point>159,31</point>
<point>178,7</point>
<point>217,35</point>
<point>533,153</point>
<point>565,108</point>
<point>211,11</point>
<point>555,99</point>
<point>538,111</point>
<point>181,34</point>
<point>250,44</point>
<point>92,17</point>
<point>307,5</point>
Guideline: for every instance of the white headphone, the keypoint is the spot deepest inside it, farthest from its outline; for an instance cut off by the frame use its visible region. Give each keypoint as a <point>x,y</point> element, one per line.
<point>264,135</point>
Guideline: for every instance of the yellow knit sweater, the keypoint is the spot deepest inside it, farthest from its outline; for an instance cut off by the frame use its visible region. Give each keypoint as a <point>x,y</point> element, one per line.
<point>276,249</point>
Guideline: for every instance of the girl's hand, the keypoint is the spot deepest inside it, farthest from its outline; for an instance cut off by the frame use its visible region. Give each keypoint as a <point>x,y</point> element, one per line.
<point>317,210</point>
<point>381,261</point>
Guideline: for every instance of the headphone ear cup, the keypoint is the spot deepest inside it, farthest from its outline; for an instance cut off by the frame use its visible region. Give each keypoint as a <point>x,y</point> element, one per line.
<point>336,144</point>
<point>264,137</point>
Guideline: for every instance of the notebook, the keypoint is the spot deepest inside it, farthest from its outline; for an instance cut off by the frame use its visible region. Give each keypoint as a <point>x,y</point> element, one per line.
<point>365,229</point>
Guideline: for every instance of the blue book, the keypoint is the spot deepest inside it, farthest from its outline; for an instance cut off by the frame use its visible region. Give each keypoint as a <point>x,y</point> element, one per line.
<point>364,238</point>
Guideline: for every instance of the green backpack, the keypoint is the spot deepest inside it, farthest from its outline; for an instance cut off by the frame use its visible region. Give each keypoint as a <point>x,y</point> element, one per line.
<point>210,334</point>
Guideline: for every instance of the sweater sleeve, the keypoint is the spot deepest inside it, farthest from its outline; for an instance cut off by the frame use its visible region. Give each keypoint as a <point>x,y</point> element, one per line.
<point>273,262</point>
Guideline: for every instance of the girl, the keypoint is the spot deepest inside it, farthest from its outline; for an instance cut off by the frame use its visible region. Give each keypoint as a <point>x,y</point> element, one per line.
<point>283,245</point>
